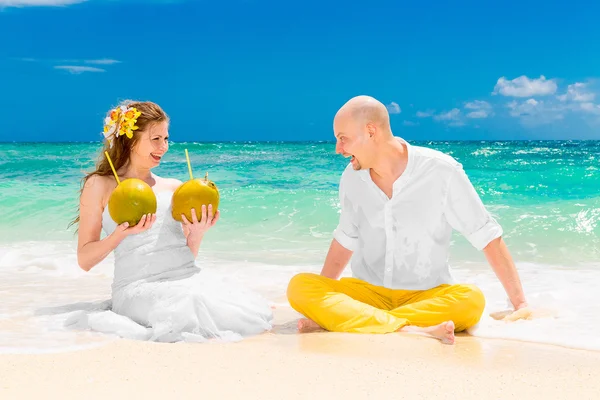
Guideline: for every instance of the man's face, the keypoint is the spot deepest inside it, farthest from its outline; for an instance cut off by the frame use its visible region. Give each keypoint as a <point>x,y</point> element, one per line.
<point>351,140</point>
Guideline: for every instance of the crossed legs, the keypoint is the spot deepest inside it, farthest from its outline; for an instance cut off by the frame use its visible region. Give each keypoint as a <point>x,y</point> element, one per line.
<point>352,305</point>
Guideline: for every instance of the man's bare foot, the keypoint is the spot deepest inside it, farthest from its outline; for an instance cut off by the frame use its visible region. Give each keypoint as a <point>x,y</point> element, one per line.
<point>443,331</point>
<point>308,325</point>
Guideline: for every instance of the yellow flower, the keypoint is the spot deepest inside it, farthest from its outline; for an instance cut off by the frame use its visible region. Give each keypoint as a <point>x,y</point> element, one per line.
<point>132,114</point>
<point>114,114</point>
<point>126,119</point>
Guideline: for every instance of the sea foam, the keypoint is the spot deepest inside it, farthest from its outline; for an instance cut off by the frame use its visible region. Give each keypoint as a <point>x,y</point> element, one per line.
<point>43,288</point>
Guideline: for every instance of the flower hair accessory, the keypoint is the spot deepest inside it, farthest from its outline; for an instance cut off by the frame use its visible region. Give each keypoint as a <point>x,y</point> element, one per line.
<point>121,121</point>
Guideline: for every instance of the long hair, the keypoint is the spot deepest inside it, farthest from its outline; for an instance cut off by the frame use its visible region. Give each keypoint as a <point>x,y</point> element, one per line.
<point>120,152</point>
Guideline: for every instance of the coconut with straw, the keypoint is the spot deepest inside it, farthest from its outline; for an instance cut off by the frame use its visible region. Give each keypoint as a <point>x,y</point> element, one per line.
<point>193,194</point>
<point>131,200</point>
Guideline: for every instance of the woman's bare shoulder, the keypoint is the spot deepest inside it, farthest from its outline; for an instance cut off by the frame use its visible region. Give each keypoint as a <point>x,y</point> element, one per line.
<point>99,188</point>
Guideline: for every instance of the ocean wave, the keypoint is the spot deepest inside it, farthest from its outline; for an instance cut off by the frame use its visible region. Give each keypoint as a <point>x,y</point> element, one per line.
<point>280,205</point>
<point>41,295</point>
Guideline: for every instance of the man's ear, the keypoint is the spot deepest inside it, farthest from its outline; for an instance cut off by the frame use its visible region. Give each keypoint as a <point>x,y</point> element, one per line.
<point>371,129</point>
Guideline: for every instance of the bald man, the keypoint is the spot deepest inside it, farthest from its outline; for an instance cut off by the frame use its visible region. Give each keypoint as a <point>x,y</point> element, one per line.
<point>399,206</point>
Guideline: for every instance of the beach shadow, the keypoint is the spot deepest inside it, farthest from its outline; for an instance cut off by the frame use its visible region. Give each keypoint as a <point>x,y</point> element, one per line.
<point>98,317</point>
<point>287,328</point>
<point>104,305</point>
<point>291,328</point>
<point>286,320</point>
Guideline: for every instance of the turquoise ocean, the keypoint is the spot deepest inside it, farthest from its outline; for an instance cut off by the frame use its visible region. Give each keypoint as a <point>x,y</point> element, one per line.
<point>279,206</point>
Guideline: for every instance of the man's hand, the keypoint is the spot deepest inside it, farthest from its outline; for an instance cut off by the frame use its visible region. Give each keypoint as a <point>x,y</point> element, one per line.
<point>522,311</point>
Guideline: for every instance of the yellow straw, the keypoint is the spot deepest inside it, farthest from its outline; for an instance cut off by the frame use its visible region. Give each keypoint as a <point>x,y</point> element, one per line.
<point>113,168</point>
<point>189,165</point>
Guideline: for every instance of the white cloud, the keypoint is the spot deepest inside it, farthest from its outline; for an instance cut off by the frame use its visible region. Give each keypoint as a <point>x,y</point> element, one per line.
<point>590,107</point>
<point>579,98</point>
<point>71,65</point>
<point>78,69</point>
<point>534,112</point>
<point>577,101</point>
<point>577,92</point>
<point>478,114</point>
<point>525,87</point>
<point>97,61</point>
<point>537,102</point>
<point>69,62</point>
<point>102,61</point>
<point>38,3</point>
<point>394,108</point>
<point>525,108</point>
<point>409,123</point>
<point>424,114</point>
<point>481,109</point>
<point>477,105</point>
<point>451,115</point>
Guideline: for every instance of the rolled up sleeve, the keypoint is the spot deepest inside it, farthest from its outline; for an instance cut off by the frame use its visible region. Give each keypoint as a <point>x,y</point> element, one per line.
<point>346,232</point>
<point>466,213</point>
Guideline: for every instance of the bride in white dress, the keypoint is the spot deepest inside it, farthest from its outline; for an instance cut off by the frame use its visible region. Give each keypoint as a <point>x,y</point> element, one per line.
<point>157,283</point>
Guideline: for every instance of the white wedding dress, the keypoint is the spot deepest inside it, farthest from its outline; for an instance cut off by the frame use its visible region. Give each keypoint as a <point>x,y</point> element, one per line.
<point>158,287</point>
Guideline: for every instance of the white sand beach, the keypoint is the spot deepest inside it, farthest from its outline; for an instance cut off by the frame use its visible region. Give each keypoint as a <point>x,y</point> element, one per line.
<point>321,365</point>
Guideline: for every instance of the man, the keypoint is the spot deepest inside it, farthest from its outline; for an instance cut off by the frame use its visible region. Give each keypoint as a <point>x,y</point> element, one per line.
<point>399,205</point>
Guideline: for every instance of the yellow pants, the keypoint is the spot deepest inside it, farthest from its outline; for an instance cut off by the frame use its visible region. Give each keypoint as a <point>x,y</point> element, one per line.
<point>353,305</point>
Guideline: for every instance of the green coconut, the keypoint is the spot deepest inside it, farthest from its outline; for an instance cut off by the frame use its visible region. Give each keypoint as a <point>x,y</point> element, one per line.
<point>193,194</point>
<point>130,201</point>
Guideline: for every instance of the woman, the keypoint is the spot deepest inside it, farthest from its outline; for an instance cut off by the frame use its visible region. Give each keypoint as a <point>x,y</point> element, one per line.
<point>156,281</point>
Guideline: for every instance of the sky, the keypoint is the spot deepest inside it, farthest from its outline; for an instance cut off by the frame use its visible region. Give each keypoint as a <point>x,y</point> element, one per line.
<point>278,71</point>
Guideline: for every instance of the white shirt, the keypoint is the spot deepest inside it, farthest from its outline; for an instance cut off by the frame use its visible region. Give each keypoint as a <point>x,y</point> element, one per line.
<point>404,242</point>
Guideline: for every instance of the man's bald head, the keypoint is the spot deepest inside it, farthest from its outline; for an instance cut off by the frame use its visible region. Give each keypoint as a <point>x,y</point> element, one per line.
<point>362,128</point>
<point>365,110</point>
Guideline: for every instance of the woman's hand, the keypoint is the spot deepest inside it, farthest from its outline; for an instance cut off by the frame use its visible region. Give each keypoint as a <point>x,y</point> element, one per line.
<point>207,221</point>
<point>195,229</point>
<point>143,225</point>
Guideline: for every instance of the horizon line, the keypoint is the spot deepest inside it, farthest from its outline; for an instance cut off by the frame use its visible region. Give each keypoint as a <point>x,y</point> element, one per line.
<point>308,141</point>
